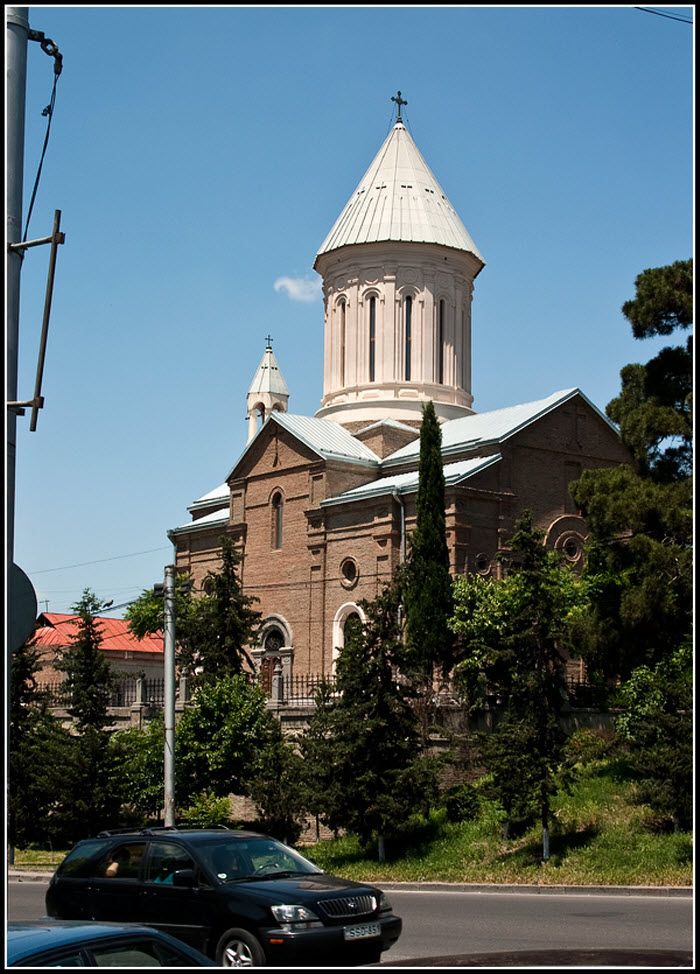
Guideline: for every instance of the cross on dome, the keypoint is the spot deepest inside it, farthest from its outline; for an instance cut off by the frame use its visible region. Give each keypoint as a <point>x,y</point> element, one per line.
<point>399,102</point>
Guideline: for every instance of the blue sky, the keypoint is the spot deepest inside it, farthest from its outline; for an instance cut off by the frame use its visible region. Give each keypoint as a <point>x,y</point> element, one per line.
<point>199,157</point>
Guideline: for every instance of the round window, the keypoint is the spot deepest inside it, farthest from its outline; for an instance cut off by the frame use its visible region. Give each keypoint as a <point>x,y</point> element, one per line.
<point>348,572</point>
<point>482,563</point>
<point>572,548</point>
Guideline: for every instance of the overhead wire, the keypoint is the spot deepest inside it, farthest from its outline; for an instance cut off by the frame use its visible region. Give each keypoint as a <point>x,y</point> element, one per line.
<point>662,13</point>
<point>50,48</point>
<point>97,561</point>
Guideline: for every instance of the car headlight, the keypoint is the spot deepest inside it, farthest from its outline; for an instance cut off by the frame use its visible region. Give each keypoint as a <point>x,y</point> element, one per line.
<point>384,904</point>
<point>292,913</point>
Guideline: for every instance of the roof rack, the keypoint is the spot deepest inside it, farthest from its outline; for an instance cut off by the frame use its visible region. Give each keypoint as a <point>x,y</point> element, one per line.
<point>153,829</point>
<point>106,833</point>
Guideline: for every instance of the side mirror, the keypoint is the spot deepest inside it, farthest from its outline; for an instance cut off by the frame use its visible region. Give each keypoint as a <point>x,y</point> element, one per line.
<point>184,877</point>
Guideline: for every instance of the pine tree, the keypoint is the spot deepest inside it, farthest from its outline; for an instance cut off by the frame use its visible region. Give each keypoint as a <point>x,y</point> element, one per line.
<point>38,745</point>
<point>373,748</point>
<point>212,629</point>
<point>88,680</point>
<point>227,623</point>
<point>428,594</point>
<point>641,517</point>
<point>92,793</point>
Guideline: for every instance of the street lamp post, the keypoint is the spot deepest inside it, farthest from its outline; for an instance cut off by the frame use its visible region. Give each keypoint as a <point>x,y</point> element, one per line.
<point>169,696</point>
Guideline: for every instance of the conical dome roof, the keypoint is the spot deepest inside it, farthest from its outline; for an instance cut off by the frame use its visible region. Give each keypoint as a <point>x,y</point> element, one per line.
<point>399,198</point>
<point>268,378</point>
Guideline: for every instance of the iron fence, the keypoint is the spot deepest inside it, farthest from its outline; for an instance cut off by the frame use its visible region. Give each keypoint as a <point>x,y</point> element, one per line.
<point>301,688</point>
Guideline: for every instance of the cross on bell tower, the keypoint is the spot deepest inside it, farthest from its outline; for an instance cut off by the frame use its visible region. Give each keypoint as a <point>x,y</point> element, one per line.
<point>399,102</point>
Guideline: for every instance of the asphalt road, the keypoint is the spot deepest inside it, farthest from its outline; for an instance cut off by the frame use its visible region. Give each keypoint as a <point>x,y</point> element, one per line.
<point>451,925</point>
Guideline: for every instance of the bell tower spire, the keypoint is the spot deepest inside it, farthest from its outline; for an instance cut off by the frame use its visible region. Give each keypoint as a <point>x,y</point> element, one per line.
<point>268,391</point>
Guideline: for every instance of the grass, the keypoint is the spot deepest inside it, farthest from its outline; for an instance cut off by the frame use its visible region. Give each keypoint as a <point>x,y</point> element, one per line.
<point>599,836</point>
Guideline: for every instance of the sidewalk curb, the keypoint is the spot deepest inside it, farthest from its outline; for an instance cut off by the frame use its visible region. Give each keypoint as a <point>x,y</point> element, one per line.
<point>437,887</point>
<point>28,876</point>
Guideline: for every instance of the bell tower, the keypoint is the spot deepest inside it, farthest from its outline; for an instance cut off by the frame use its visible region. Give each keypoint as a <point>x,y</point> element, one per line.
<point>268,391</point>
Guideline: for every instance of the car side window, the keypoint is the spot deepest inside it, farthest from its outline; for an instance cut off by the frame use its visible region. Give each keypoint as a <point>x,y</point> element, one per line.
<point>122,861</point>
<point>76,959</point>
<point>140,954</point>
<point>164,860</point>
<point>79,861</point>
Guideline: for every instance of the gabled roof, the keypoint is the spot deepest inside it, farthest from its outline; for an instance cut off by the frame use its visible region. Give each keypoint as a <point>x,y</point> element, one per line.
<point>219,495</point>
<point>407,483</point>
<point>399,198</point>
<point>57,629</point>
<point>482,429</point>
<point>329,440</point>
<point>392,424</point>
<point>219,516</point>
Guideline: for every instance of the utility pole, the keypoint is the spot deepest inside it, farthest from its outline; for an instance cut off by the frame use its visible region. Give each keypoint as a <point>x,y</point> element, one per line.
<point>16,53</point>
<point>169,697</point>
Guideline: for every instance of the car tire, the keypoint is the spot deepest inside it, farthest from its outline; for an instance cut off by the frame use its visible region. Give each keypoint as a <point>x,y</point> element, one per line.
<point>239,948</point>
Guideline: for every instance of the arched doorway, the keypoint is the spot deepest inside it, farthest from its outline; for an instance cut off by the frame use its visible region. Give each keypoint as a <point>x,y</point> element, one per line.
<point>343,617</point>
<point>273,641</point>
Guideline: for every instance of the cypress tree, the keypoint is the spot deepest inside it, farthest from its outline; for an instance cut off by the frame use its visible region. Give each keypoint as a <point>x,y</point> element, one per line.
<point>428,593</point>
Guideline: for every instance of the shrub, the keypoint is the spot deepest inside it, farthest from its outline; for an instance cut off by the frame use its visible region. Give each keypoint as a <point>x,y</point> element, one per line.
<point>585,746</point>
<point>207,811</point>
<point>461,803</point>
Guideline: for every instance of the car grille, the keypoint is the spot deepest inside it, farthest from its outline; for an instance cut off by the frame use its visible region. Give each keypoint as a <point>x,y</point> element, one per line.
<point>348,906</point>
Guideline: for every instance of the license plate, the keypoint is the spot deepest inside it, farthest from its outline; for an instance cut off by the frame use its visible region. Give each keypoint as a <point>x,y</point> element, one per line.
<point>361,931</point>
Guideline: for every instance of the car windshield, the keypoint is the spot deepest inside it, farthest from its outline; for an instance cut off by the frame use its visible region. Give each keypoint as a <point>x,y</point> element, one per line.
<point>255,857</point>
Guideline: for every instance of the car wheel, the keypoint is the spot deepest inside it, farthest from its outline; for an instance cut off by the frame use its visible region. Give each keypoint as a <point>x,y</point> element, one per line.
<point>238,948</point>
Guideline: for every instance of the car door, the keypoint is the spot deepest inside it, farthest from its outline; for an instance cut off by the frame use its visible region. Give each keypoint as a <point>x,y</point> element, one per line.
<point>116,882</point>
<point>179,910</point>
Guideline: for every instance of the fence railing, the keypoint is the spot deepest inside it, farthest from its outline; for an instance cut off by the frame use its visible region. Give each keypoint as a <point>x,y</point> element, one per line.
<point>127,691</point>
<point>299,689</point>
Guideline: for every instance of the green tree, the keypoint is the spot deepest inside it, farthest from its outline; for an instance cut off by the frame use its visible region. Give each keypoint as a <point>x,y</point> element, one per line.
<point>428,591</point>
<point>657,721</point>
<point>641,518</point>
<point>276,788</point>
<point>220,737</point>
<point>370,727</point>
<point>38,745</point>
<point>212,629</point>
<point>320,779</point>
<point>90,787</point>
<point>88,680</point>
<point>138,758</point>
<point>513,634</point>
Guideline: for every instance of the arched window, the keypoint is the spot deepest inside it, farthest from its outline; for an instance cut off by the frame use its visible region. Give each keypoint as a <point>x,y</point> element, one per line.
<point>277,507</point>
<point>408,310</point>
<point>440,343</point>
<point>341,311</point>
<point>351,624</point>
<point>372,335</point>
<point>274,640</point>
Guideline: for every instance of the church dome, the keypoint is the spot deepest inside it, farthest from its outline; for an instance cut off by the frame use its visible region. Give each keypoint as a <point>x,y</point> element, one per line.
<point>399,199</point>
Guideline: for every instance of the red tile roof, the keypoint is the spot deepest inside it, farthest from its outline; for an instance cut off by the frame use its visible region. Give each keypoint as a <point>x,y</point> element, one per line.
<point>58,629</point>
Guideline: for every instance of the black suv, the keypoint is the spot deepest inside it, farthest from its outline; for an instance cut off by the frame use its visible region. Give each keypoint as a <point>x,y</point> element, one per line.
<point>242,898</point>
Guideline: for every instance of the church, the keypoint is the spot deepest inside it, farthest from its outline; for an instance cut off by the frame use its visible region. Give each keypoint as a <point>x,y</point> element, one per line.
<point>322,506</point>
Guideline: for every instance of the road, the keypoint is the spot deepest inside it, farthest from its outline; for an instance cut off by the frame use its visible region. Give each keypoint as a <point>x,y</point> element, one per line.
<point>443,923</point>
<point>450,923</point>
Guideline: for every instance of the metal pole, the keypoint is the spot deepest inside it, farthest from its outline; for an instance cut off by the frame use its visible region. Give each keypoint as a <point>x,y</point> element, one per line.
<point>16,59</point>
<point>169,697</point>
